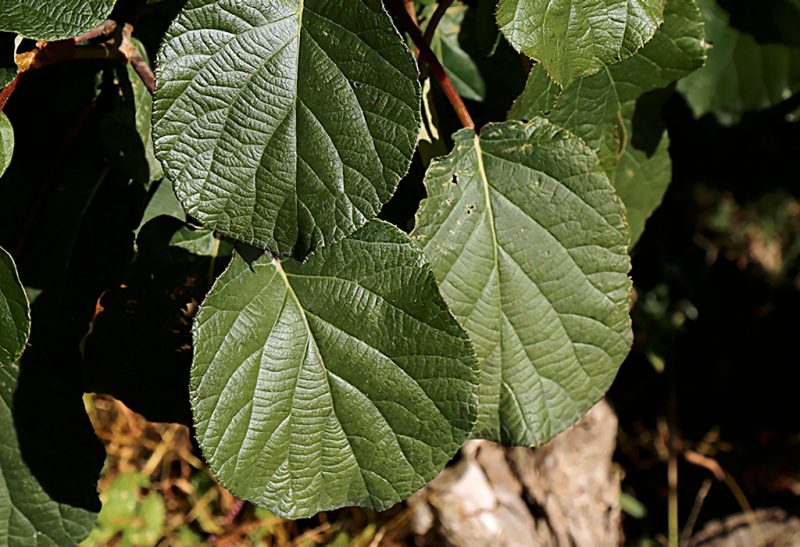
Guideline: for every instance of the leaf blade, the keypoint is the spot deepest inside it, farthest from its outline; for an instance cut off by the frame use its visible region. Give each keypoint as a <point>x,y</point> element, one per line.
<point>15,315</point>
<point>27,513</point>
<point>529,248</point>
<point>53,20</point>
<point>577,38</point>
<point>354,386</point>
<point>742,74</point>
<point>6,143</point>
<point>310,121</point>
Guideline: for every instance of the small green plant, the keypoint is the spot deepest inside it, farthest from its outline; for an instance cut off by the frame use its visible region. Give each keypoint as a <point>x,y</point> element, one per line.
<point>127,515</point>
<point>336,359</point>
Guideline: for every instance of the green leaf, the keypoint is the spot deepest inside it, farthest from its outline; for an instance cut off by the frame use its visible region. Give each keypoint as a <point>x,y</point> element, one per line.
<point>15,316</point>
<point>53,19</point>
<point>27,515</point>
<point>458,64</point>
<point>6,143</point>
<point>285,125</point>
<point>143,108</point>
<point>162,202</point>
<point>596,107</point>
<point>577,38</point>
<point>200,242</point>
<point>529,244</point>
<point>741,74</point>
<point>340,381</point>
<point>7,75</point>
<point>641,180</point>
<point>600,108</point>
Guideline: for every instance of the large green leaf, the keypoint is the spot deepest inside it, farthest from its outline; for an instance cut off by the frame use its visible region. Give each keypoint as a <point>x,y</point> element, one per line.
<point>741,74</point>
<point>600,108</point>
<point>15,320</point>
<point>340,381</point>
<point>529,243</point>
<point>27,514</point>
<point>574,38</point>
<point>6,142</point>
<point>52,19</point>
<point>285,124</point>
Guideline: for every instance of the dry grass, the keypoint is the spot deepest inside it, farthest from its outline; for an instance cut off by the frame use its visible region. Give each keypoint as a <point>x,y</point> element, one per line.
<point>201,512</point>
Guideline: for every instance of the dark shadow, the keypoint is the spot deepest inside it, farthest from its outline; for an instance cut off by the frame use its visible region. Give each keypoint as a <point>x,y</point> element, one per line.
<point>139,350</point>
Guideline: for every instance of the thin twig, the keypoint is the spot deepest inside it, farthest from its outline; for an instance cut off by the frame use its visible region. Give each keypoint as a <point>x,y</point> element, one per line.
<point>699,499</point>
<point>435,19</point>
<point>137,62</point>
<point>673,526</point>
<point>436,67</point>
<point>120,49</point>
<point>143,70</point>
<point>106,28</point>
<point>722,475</point>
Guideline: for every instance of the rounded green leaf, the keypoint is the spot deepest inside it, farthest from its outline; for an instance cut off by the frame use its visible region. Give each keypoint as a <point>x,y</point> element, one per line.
<point>340,381</point>
<point>15,316</point>
<point>574,38</point>
<point>529,243</point>
<point>285,124</point>
<point>6,143</point>
<point>28,516</point>
<point>52,19</point>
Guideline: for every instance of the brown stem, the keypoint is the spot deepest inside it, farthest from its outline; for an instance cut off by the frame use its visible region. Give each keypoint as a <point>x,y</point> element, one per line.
<point>106,28</point>
<point>119,48</point>
<point>436,67</point>
<point>144,71</point>
<point>435,19</point>
<point>136,60</point>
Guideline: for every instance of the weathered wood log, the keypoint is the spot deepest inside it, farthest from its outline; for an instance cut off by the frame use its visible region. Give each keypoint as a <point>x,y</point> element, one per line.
<point>564,493</point>
<point>773,527</point>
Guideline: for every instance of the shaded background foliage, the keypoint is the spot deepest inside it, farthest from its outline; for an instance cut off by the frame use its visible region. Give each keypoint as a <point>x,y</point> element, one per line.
<point>717,276</point>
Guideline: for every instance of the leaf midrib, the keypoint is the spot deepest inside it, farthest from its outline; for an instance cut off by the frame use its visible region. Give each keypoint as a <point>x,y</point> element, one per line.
<point>311,340</point>
<point>495,244</point>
